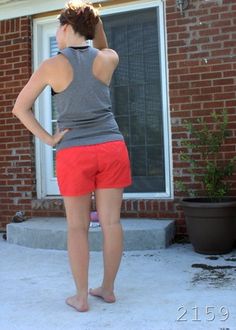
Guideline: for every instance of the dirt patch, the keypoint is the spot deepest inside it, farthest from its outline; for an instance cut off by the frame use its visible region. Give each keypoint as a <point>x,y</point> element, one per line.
<point>215,276</point>
<point>231,259</point>
<point>208,267</point>
<point>212,258</point>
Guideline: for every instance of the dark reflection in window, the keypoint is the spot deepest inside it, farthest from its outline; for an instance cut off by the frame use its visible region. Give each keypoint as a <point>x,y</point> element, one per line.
<point>136,94</point>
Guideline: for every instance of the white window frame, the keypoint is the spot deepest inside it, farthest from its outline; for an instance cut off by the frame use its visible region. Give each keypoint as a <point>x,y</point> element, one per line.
<point>40,53</point>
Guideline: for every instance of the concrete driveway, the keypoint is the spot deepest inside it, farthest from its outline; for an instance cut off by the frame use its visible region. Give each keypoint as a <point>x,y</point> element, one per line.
<point>167,289</point>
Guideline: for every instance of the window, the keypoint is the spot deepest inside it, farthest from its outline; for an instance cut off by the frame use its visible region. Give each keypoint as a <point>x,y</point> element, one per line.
<point>138,92</point>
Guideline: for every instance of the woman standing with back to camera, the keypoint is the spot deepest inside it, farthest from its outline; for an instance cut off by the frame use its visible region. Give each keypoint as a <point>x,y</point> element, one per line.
<point>91,153</point>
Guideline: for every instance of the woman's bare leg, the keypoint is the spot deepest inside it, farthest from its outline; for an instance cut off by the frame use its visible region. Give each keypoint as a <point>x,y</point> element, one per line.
<point>78,219</point>
<point>108,203</point>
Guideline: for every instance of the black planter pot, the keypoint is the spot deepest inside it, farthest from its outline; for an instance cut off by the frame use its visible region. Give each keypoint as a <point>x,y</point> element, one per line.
<point>210,224</point>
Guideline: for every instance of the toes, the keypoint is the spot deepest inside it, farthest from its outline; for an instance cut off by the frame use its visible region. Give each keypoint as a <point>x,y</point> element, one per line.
<point>91,292</point>
<point>109,299</point>
<point>69,301</point>
<point>95,292</point>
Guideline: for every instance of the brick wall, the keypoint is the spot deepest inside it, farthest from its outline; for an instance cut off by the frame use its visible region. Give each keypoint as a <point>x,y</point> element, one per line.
<point>202,72</point>
<point>202,77</point>
<point>16,147</point>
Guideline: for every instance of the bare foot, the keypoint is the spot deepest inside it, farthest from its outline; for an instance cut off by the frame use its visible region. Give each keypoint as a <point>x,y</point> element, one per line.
<point>107,296</point>
<point>79,303</point>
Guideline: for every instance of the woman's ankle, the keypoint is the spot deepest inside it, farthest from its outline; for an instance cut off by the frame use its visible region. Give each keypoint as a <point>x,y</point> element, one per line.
<point>108,288</point>
<point>82,293</point>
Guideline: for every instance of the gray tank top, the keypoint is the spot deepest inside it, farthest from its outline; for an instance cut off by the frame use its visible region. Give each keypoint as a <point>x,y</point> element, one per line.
<point>85,105</point>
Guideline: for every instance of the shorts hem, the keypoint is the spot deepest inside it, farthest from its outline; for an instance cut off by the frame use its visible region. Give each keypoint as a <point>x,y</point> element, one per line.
<point>124,185</point>
<point>76,194</point>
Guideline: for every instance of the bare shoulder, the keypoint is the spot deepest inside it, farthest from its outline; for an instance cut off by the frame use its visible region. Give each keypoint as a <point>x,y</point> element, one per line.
<point>110,55</point>
<point>54,67</point>
<point>54,63</point>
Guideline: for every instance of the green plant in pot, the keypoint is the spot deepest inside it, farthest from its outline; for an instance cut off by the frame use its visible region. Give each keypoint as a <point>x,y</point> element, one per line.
<point>210,212</point>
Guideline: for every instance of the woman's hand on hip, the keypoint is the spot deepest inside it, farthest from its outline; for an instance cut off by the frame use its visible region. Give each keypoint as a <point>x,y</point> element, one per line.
<point>57,137</point>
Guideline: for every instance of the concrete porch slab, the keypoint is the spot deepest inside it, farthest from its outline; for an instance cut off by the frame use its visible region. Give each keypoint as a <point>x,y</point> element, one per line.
<point>51,233</point>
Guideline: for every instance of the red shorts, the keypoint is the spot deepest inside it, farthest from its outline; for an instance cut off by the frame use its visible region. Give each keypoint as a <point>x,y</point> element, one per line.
<point>83,169</point>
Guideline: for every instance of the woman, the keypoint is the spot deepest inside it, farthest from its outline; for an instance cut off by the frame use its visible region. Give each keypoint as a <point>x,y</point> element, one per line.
<point>91,153</point>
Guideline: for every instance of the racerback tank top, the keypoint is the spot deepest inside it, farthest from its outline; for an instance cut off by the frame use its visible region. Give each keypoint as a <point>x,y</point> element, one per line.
<point>85,105</point>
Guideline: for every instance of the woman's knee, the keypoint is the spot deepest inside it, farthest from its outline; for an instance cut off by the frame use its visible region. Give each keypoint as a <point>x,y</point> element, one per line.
<point>81,225</point>
<point>113,227</point>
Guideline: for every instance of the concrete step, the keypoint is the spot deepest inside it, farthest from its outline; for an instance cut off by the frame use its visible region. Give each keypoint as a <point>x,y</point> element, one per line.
<point>51,233</point>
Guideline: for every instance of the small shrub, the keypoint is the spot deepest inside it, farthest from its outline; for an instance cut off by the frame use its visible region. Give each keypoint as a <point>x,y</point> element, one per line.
<point>209,168</point>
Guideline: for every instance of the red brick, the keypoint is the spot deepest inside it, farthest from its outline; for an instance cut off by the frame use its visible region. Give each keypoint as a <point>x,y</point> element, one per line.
<point>229,29</point>
<point>222,37</point>
<point>231,103</point>
<point>219,9</point>
<point>212,90</point>
<point>209,32</point>
<point>179,57</point>
<point>229,73</point>
<point>188,49</point>
<point>222,67</point>
<point>204,97</point>
<point>179,85</point>
<point>212,75</point>
<point>221,52</point>
<point>211,45</point>
<point>223,96</point>
<point>188,63</point>
<point>223,82</point>
<point>176,43</point>
<point>199,69</point>
<point>12,30</point>
<point>209,105</point>
<point>175,29</point>
<point>180,99</point>
<point>201,83</point>
<point>190,106</point>
<point>200,41</point>
<point>221,23</point>
<point>190,77</point>
<point>227,15</point>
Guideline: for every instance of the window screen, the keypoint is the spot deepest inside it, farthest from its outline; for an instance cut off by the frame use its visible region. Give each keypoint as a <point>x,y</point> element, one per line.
<point>136,94</point>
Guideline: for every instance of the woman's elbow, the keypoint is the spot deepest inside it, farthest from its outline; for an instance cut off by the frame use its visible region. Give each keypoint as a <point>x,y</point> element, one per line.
<point>15,112</point>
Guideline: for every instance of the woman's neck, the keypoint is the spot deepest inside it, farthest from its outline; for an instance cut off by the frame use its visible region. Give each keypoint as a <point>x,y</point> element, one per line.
<point>77,44</point>
<point>75,41</point>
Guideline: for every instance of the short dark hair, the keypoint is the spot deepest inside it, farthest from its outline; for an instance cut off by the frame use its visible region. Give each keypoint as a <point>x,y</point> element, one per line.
<point>82,16</point>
